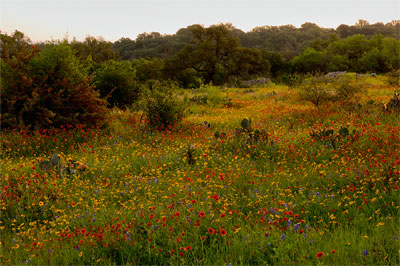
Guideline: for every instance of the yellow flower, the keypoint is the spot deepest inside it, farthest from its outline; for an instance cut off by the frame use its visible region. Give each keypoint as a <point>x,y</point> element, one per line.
<point>80,254</point>
<point>366,237</point>
<point>41,203</point>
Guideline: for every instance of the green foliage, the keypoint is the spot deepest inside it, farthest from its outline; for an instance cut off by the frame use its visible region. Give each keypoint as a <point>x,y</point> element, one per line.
<point>14,44</point>
<point>147,69</point>
<point>320,90</point>
<point>311,61</point>
<point>97,49</point>
<point>291,80</point>
<point>116,81</point>
<point>161,107</point>
<point>394,78</point>
<point>47,89</point>
<point>189,78</point>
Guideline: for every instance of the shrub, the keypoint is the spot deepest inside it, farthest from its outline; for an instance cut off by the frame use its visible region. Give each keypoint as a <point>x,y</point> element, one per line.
<point>291,80</point>
<point>47,89</point>
<point>161,107</point>
<point>320,90</point>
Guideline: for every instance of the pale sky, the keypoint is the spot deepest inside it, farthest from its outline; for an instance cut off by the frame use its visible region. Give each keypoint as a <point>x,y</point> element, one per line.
<point>43,20</point>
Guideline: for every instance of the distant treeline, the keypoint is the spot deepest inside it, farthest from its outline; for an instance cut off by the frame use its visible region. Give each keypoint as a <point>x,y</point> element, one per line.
<point>287,40</point>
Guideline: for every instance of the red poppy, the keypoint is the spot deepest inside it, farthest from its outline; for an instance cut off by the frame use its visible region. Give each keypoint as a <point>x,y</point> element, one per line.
<point>222,232</point>
<point>188,248</point>
<point>178,214</point>
<point>181,254</point>
<point>319,255</point>
<point>210,231</point>
<point>290,213</point>
<point>172,251</point>
<point>333,251</point>
<point>222,215</point>
<point>202,214</point>
<point>83,231</point>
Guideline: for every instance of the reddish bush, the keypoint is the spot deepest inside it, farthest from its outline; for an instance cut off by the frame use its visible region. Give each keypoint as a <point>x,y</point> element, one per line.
<point>48,88</point>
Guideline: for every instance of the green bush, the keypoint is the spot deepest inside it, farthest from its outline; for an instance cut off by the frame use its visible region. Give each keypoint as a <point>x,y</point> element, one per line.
<point>116,81</point>
<point>161,107</point>
<point>48,88</point>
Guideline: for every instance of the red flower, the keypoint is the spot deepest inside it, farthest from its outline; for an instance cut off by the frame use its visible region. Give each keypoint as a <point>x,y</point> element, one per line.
<point>290,213</point>
<point>172,251</point>
<point>83,231</point>
<point>181,254</point>
<point>222,232</point>
<point>188,248</point>
<point>222,215</point>
<point>210,231</point>
<point>319,255</point>
<point>202,214</point>
<point>177,214</point>
<point>333,251</point>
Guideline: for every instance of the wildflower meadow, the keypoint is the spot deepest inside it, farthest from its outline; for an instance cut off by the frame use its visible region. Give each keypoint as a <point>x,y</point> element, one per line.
<point>247,176</point>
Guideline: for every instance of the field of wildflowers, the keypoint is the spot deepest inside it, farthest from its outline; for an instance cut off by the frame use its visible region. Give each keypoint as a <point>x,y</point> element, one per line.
<point>301,186</point>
